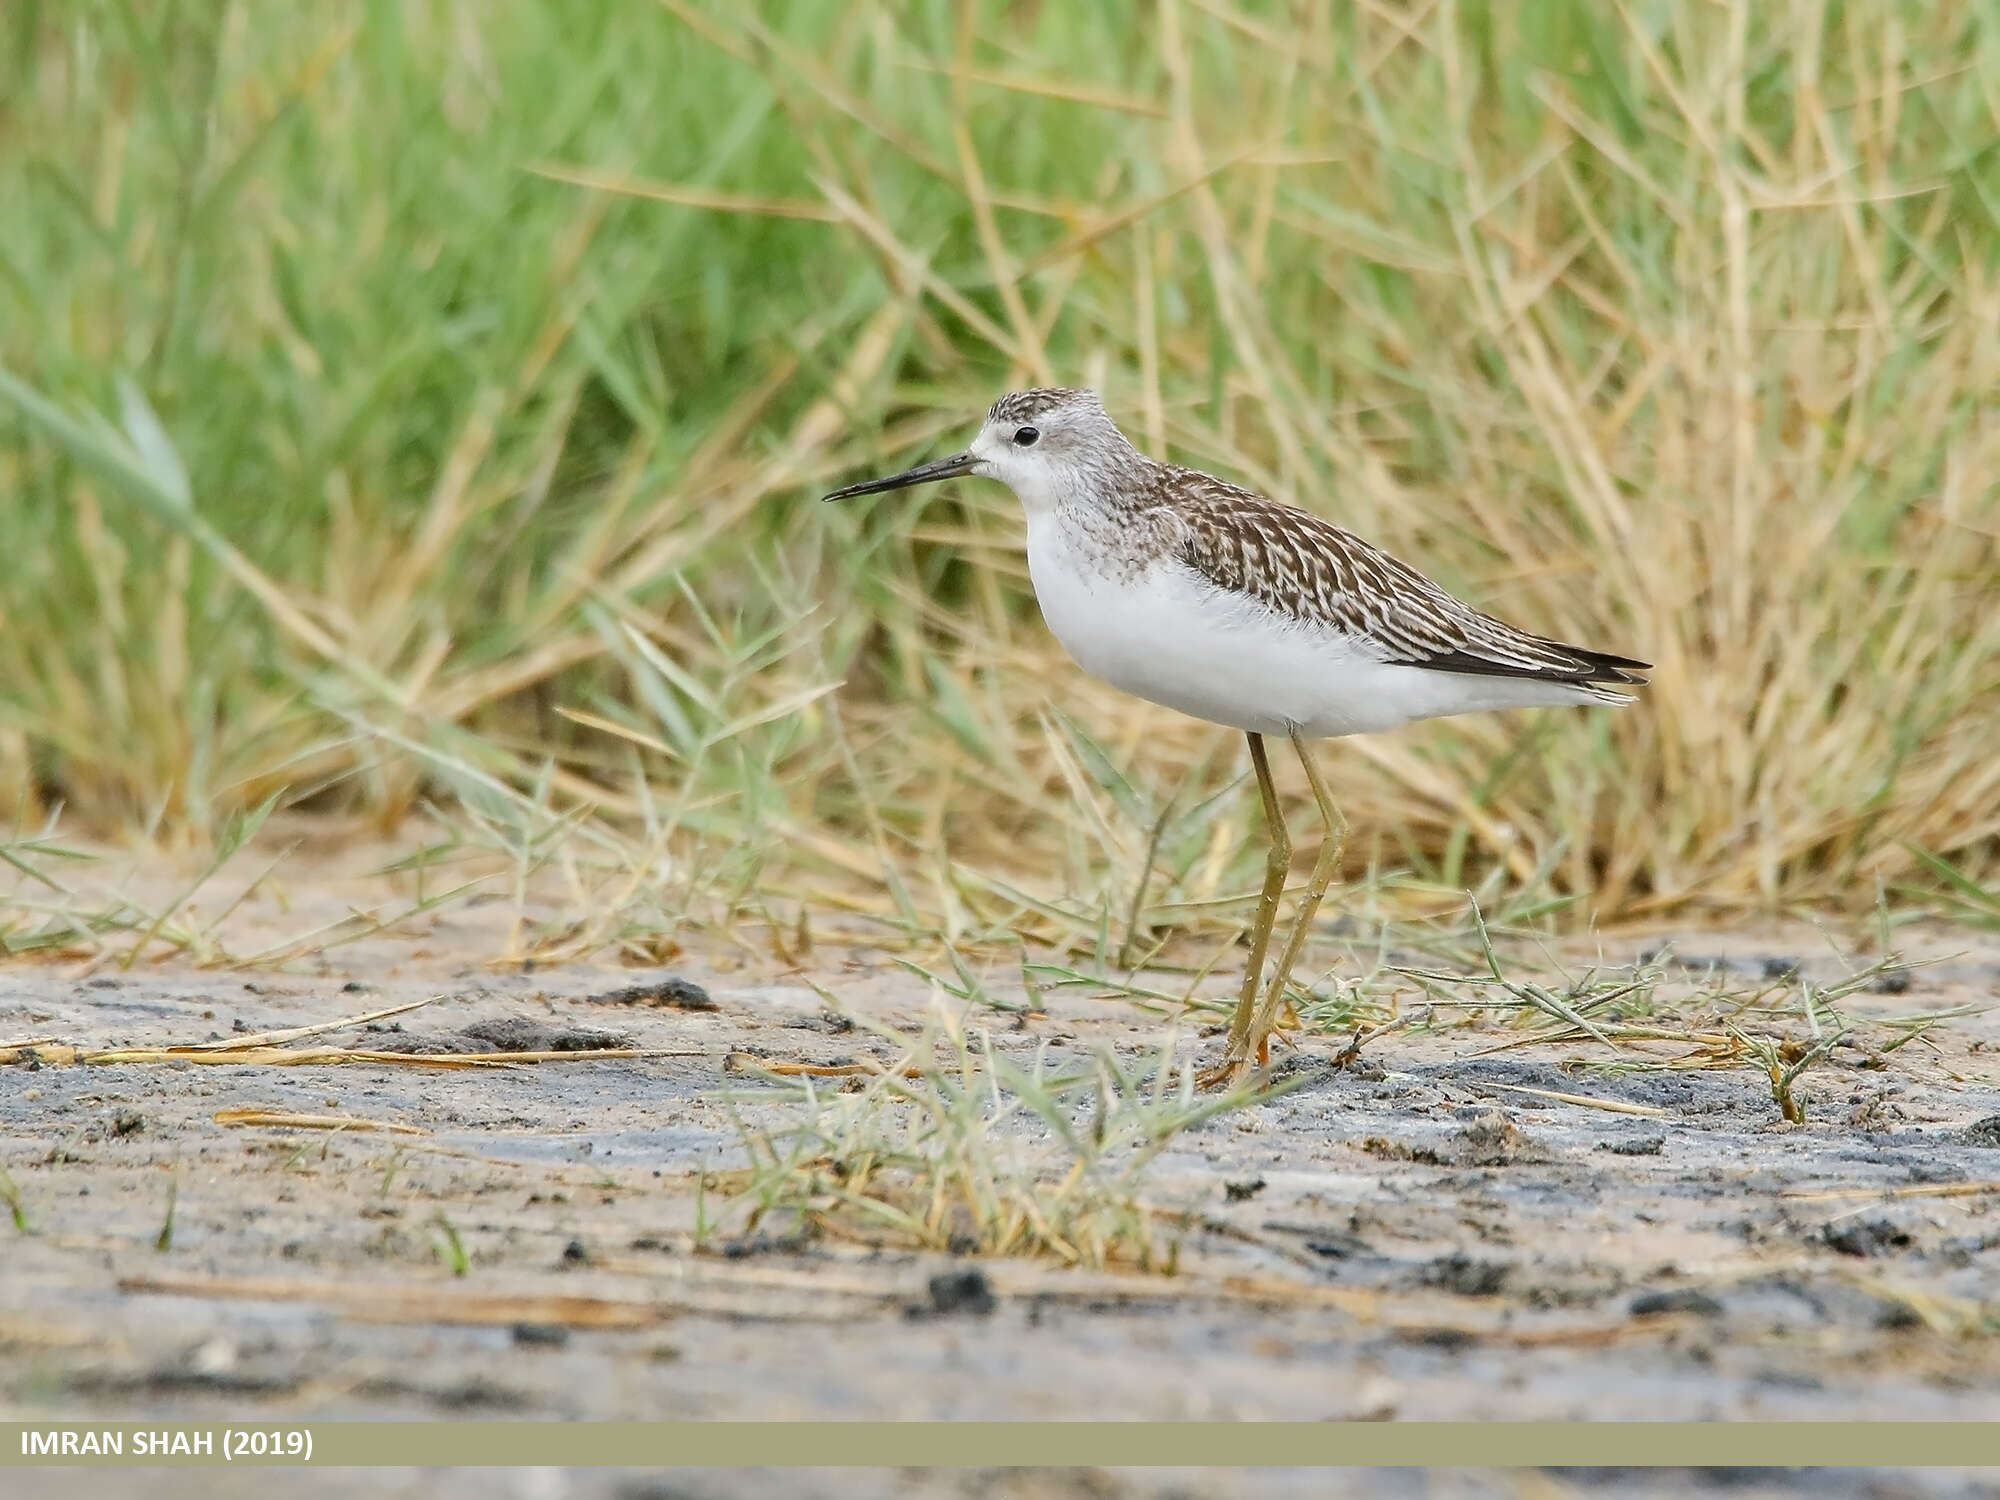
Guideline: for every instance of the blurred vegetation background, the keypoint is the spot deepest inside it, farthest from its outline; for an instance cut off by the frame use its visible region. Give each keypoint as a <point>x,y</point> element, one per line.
<point>426,402</point>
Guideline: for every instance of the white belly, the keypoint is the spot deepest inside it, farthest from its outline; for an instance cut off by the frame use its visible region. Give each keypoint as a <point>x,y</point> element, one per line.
<point>1168,636</point>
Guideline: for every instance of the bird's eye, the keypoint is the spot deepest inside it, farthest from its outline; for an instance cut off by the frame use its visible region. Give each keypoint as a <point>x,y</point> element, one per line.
<point>1024,437</point>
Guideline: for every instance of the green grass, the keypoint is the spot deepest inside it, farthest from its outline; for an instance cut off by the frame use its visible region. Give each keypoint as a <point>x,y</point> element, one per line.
<point>360,457</point>
<point>451,1249</point>
<point>10,1195</point>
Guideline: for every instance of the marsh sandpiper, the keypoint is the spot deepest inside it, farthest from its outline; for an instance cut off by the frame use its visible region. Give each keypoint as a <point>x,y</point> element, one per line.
<point>1194,593</point>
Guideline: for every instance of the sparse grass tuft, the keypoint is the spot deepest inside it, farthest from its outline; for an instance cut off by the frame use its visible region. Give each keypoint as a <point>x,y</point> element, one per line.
<point>10,1194</point>
<point>164,1240</point>
<point>976,1155</point>
<point>451,1249</point>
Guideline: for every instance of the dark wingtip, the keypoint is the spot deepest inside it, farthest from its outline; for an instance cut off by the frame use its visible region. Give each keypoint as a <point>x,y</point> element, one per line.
<point>1591,669</point>
<point>1609,668</point>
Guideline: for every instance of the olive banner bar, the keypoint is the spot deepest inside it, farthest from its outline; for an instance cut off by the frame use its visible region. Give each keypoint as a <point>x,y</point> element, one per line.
<point>1000,1444</point>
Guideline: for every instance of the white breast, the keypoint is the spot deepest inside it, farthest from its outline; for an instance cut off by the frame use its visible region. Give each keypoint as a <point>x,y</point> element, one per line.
<point>1169,636</point>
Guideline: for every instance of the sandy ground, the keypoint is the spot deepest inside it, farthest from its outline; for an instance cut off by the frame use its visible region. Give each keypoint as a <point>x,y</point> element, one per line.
<point>1413,1237</point>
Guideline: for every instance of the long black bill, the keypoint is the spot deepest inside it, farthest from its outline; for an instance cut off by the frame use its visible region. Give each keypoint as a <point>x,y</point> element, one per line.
<point>944,468</point>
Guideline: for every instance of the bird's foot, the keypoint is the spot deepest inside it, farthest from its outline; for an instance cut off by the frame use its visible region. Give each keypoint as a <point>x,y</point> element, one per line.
<point>1236,1069</point>
<point>1225,1074</point>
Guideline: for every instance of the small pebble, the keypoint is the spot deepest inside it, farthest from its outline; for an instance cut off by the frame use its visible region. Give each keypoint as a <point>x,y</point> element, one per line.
<point>541,1335</point>
<point>965,1291</point>
<point>1679,1300</point>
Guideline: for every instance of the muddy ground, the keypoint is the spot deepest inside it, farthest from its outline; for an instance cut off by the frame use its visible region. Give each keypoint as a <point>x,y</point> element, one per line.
<point>1413,1237</point>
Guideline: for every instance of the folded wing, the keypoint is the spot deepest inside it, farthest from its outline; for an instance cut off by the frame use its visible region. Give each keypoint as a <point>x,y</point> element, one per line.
<point>1299,565</point>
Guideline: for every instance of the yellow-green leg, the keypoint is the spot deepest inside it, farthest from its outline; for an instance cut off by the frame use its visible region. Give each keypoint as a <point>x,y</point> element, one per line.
<point>1277,865</point>
<point>1257,1041</point>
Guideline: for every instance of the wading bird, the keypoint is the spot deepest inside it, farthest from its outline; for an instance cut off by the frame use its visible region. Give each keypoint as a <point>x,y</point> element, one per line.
<point>1194,593</point>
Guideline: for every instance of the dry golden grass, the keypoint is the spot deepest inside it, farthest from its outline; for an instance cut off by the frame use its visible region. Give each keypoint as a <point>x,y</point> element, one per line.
<point>479,470</point>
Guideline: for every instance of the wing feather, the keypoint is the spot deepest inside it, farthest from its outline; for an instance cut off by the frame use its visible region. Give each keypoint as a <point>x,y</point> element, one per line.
<point>1309,569</point>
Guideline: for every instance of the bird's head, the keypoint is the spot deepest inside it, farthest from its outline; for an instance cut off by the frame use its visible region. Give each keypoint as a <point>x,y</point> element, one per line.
<point>1035,442</point>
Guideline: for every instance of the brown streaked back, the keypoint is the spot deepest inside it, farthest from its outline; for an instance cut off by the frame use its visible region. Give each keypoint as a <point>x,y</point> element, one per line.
<point>1311,570</point>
